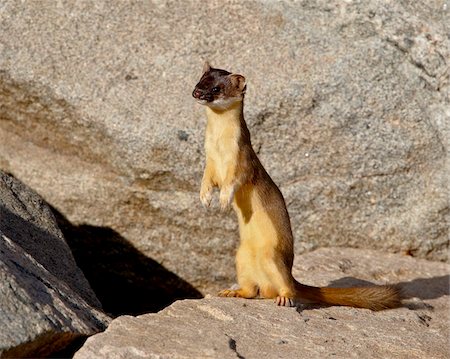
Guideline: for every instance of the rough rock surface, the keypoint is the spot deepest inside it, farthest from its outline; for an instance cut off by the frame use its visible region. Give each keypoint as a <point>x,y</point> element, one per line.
<point>28,221</point>
<point>348,106</point>
<point>239,328</point>
<point>45,300</point>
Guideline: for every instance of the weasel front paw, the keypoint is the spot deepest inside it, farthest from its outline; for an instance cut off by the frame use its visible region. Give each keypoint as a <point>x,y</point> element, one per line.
<point>226,197</point>
<point>206,195</point>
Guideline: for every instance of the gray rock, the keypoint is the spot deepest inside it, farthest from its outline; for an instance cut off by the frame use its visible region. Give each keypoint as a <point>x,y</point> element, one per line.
<point>348,106</point>
<point>239,328</point>
<point>45,301</point>
<point>29,222</point>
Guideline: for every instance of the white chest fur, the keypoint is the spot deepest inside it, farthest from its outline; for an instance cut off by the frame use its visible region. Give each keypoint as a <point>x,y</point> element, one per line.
<point>221,142</point>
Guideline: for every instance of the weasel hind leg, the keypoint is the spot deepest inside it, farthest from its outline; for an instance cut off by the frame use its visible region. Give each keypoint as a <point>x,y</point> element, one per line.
<point>247,286</point>
<point>281,286</point>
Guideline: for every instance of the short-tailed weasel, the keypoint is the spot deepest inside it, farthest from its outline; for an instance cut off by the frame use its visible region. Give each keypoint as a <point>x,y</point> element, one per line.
<point>266,252</point>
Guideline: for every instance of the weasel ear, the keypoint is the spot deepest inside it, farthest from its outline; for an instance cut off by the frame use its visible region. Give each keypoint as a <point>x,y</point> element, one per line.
<point>206,67</point>
<point>238,81</point>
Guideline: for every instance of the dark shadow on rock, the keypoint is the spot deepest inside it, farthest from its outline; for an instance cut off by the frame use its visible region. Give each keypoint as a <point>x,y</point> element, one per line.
<point>70,350</point>
<point>124,280</point>
<point>423,288</point>
<point>426,288</point>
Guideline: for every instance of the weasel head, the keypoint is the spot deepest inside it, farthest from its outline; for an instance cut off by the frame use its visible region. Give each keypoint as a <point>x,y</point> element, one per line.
<point>219,89</point>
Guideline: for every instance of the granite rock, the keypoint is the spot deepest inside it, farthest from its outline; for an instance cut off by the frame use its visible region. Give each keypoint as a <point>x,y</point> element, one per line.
<point>347,103</point>
<point>240,328</point>
<point>28,221</point>
<point>46,302</point>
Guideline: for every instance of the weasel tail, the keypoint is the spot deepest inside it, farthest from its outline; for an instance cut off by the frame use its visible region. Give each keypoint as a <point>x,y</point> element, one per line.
<point>266,251</point>
<point>373,297</point>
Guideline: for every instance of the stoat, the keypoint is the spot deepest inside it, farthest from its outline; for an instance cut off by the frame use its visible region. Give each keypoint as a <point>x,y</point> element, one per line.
<point>266,252</point>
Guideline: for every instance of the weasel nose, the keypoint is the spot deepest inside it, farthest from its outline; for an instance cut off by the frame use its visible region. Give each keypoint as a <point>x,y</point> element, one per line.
<point>197,93</point>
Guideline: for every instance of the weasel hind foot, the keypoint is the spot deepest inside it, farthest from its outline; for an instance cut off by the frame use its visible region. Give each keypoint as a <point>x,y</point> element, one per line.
<point>229,293</point>
<point>239,293</point>
<point>284,301</point>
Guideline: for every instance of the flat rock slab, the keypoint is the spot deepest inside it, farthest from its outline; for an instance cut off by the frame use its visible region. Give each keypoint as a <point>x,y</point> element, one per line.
<point>239,328</point>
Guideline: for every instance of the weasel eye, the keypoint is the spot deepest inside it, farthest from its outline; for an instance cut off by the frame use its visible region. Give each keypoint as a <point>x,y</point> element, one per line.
<point>215,89</point>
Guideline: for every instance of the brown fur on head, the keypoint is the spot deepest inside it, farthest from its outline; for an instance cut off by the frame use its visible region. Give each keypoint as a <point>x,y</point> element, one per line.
<point>219,89</point>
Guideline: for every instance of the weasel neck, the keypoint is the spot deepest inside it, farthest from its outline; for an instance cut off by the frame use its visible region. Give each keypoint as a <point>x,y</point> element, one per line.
<point>234,113</point>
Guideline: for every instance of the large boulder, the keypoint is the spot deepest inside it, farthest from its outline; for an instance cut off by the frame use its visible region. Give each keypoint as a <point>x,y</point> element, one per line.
<point>29,222</point>
<point>348,106</point>
<point>46,302</point>
<point>240,328</point>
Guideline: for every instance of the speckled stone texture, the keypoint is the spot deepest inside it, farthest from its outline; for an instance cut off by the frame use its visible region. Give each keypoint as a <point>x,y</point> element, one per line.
<point>251,329</point>
<point>347,104</point>
<point>46,302</point>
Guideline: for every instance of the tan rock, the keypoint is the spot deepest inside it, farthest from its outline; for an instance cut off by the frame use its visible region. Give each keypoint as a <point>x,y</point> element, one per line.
<point>347,103</point>
<point>239,328</point>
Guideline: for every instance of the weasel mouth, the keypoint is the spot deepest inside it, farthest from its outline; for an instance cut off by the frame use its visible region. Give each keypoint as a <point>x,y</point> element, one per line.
<point>201,102</point>
<point>202,97</point>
